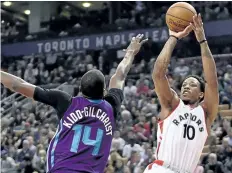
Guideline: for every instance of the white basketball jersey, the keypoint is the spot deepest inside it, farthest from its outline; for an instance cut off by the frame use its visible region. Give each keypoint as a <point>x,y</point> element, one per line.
<point>181,137</point>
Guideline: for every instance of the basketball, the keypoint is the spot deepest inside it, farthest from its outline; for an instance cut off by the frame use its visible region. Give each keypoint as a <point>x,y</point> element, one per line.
<point>179,15</point>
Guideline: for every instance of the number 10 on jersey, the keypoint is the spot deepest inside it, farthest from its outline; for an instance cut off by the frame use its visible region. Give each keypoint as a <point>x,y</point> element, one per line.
<point>85,138</point>
<point>187,130</point>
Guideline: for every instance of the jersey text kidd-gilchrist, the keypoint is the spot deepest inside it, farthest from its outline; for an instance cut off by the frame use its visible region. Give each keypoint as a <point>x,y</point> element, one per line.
<point>89,112</point>
<point>194,118</point>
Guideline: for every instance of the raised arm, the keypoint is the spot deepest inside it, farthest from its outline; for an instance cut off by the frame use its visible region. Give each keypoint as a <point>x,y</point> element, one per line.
<point>211,99</point>
<point>167,97</point>
<point>118,79</point>
<point>17,84</point>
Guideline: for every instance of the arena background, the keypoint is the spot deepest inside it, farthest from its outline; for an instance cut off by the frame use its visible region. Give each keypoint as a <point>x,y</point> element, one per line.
<point>52,44</point>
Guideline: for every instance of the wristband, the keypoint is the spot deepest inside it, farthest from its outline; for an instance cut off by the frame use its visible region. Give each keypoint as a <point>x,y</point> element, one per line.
<point>174,37</point>
<point>202,41</point>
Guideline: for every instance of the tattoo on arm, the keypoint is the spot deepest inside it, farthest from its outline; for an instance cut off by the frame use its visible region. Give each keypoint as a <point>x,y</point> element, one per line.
<point>125,65</point>
<point>163,60</point>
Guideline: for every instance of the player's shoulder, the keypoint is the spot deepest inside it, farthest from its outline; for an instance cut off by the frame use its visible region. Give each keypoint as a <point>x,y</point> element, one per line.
<point>114,94</point>
<point>114,97</point>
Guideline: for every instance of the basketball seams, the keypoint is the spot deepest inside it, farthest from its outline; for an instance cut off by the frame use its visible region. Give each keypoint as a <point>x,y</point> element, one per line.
<point>178,18</point>
<point>184,8</point>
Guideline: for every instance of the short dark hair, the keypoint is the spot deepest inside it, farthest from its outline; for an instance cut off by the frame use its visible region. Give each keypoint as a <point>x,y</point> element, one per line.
<point>93,84</point>
<point>200,80</point>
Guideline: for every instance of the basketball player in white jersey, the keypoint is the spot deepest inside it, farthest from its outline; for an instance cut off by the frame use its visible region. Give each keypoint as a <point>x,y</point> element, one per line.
<point>184,122</point>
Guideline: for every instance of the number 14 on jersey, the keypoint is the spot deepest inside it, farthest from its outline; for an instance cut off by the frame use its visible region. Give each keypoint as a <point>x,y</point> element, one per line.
<point>85,138</point>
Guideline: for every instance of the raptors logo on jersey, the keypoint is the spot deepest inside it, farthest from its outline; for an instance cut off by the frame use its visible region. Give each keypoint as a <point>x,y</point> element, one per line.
<point>181,137</point>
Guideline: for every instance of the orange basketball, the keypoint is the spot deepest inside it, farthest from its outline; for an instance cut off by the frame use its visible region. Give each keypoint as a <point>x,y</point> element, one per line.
<point>179,15</point>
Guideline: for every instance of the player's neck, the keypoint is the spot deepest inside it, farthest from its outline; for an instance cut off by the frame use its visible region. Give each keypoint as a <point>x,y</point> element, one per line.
<point>192,105</point>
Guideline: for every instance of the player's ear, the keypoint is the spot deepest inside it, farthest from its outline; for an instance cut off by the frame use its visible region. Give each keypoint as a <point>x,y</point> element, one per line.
<point>105,92</point>
<point>201,95</point>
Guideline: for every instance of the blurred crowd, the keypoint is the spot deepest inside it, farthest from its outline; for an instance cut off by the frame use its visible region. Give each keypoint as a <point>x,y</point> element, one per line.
<point>27,131</point>
<point>127,15</point>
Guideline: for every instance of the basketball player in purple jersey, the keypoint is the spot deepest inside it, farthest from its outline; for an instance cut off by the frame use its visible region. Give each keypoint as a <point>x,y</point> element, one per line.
<point>83,138</point>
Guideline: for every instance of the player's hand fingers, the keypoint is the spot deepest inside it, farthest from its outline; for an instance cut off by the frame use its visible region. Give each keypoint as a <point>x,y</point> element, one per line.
<point>200,19</point>
<point>188,29</point>
<point>144,41</point>
<point>133,39</point>
<point>193,27</point>
<point>138,36</point>
<point>141,36</point>
<point>195,21</point>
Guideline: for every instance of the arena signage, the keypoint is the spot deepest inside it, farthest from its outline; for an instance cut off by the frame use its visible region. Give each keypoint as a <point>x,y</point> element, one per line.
<point>100,41</point>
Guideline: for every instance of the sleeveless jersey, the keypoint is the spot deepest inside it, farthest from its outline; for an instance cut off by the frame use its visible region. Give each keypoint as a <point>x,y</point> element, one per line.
<point>181,137</point>
<point>83,138</point>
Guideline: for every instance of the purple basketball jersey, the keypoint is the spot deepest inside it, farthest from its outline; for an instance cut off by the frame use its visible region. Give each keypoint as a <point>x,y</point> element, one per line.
<point>83,138</point>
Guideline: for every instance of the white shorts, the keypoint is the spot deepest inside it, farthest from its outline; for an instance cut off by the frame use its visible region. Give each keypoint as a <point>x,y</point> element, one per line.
<point>157,169</point>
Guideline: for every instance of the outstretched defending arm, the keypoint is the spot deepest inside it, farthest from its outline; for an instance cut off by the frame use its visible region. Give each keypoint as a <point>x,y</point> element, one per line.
<point>118,79</point>
<point>17,84</point>
<point>211,99</point>
<point>55,98</point>
<point>167,97</point>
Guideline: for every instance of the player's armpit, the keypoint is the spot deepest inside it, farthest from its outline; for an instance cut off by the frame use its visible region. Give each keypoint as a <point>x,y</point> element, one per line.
<point>211,102</point>
<point>115,98</point>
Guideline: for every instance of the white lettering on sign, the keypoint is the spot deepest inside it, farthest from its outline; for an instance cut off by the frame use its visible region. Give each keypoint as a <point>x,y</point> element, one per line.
<point>86,43</point>
<point>70,45</point>
<point>155,36</point>
<point>164,35</point>
<point>55,46</point>
<point>47,47</point>
<point>40,48</point>
<point>114,39</point>
<point>62,45</point>
<point>99,42</point>
<point>78,43</point>
<point>108,41</point>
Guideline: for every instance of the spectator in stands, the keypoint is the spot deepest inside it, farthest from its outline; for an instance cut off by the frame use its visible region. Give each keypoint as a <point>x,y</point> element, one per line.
<point>130,147</point>
<point>24,152</point>
<point>143,87</point>
<point>181,69</point>
<point>32,147</point>
<point>222,11</point>
<point>230,137</point>
<point>142,134</point>
<point>228,160</point>
<point>118,139</point>
<point>212,149</point>
<point>8,164</point>
<point>39,159</point>
<point>213,164</point>
<point>138,116</point>
<point>119,166</point>
<point>30,74</point>
<point>130,89</point>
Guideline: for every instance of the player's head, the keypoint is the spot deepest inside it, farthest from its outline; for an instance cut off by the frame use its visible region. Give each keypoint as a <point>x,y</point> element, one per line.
<point>93,84</point>
<point>192,89</point>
